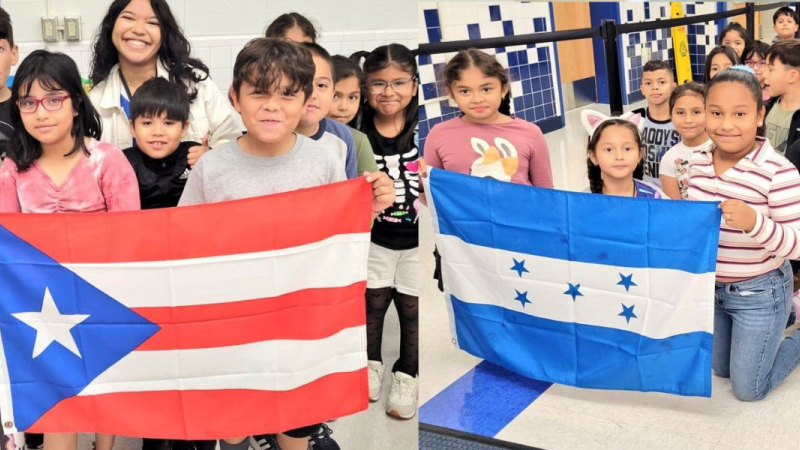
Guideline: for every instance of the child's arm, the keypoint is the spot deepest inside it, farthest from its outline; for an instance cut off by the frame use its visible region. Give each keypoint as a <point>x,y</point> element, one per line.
<point>9,200</point>
<point>221,125</point>
<point>432,159</point>
<point>670,187</point>
<point>350,168</point>
<point>118,182</point>
<point>193,191</point>
<point>539,165</point>
<point>365,156</point>
<point>779,233</point>
<point>668,174</point>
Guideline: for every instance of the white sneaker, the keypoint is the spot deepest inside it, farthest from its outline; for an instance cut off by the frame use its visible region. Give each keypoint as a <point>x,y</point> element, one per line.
<point>376,369</point>
<point>402,401</point>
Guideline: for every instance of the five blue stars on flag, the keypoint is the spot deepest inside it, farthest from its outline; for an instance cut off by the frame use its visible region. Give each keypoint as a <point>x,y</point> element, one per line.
<point>574,290</point>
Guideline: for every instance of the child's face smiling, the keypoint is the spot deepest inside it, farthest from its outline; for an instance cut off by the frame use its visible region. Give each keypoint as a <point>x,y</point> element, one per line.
<point>732,118</point>
<point>390,102</point>
<point>689,119</point>
<point>158,137</point>
<point>269,116</point>
<point>616,153</point>
<point>319,104</point>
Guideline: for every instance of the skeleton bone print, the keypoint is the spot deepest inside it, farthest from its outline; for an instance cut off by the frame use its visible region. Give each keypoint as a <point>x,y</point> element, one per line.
<point>404,171</point>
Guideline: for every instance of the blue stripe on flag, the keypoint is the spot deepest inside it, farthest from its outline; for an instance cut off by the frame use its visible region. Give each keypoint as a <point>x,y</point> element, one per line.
<point>586,356</point>
<point>577,226</point>
<point>483,401</point>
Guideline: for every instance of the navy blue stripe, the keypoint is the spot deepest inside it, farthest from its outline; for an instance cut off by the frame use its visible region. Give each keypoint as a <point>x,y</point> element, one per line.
<point>483,401</point>
<point>585,356</point>
<point>597,229</point>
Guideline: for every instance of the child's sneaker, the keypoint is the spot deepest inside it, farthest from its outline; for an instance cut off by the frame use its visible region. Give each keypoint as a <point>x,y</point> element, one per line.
<point>376,369</point>
<point>402,401</point>
<point>793,314</point>
<point>322,440</point>
<point>266,442</point>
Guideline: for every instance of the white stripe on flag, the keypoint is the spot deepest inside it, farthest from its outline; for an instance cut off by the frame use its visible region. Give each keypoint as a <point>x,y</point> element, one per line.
<point>222,279</point>
<point>667,302</point>
<point>277,365</point>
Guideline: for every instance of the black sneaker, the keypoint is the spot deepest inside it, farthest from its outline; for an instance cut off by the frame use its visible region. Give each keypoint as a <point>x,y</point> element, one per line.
<point>322,440</point>
<point>266,442</point>
<point>34,441</point>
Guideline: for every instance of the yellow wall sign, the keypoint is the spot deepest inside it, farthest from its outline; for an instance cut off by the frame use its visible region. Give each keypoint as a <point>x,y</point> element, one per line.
<point>680,45</point>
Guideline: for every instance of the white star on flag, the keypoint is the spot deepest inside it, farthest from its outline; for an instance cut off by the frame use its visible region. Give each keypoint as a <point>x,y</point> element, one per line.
<point>51,325</point>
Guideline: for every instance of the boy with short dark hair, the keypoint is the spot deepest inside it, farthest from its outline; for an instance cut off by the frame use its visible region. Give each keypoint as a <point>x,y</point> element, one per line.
<point>315,124</point>
<point>159,120</point>
<point>658,135</point>
<point>782,121</point>
<point>272,83</point>
<point>9,56</point>
<point>785,23</point>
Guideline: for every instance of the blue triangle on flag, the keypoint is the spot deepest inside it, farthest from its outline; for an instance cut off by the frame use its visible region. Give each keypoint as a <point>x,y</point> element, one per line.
<point>111,331</point>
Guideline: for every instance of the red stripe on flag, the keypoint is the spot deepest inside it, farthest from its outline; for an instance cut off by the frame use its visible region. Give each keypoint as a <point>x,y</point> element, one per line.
<point>309,314</point>
<point>248,226</point>
<point>209,414</point>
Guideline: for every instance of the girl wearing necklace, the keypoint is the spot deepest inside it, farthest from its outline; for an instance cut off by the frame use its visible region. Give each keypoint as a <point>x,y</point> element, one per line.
<point>139,40</point>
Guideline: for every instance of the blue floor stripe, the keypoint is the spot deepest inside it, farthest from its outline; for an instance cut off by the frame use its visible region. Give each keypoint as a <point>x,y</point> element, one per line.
<point>483,401</point>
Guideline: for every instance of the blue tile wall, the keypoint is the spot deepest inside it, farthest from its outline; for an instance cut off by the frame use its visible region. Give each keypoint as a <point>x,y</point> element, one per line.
<point>700,38</point>
<point>535,95</point>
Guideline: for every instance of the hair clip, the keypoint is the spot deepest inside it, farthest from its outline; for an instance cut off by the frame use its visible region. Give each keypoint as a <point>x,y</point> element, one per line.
<point>592,119</point>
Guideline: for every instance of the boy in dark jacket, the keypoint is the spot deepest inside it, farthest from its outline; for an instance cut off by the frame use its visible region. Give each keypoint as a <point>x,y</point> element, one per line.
<point>159,120</point>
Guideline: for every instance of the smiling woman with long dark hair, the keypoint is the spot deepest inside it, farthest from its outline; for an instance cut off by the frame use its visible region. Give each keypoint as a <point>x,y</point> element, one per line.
<point>139,40</point>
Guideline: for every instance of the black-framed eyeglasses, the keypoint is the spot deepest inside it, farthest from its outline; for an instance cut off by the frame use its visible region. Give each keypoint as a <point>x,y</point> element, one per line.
<point>51,103</point>
<point>400,86</point>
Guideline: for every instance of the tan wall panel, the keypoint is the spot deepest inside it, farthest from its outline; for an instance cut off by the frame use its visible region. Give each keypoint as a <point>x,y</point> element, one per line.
<point>575,58</point>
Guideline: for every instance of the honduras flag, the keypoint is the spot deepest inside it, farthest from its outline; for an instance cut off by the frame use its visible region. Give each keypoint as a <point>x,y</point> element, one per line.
<point>586,290</point>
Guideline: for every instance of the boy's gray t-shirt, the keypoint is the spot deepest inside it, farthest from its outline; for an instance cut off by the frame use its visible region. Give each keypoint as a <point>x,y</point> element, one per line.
<point>778,123</point>
<point>229,173</point>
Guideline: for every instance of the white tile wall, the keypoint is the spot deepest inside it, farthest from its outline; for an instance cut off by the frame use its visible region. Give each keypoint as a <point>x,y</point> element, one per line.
<point>218,29</point>
<point>219,52</point>
<point>224,17</point>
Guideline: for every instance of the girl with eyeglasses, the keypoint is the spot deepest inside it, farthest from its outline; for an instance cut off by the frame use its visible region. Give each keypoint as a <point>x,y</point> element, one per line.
<point>755,57</point>
<point>55,161</point>
<point>389,120</point>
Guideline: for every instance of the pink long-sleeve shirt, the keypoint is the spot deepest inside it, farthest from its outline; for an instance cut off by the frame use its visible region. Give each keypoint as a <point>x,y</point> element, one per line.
<point>514,151</point>
<point>102,181</point>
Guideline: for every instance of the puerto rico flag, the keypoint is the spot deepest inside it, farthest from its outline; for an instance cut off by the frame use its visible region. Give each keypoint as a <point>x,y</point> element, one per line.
<point>593,291</point>
<point>202,322</point>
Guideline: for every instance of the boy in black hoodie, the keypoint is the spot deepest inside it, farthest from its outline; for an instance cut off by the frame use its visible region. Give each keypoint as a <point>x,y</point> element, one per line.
<point>159,120</point>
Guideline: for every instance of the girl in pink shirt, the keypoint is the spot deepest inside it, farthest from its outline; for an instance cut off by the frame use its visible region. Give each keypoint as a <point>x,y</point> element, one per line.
<point>55,163</point>
<point>485,142</point>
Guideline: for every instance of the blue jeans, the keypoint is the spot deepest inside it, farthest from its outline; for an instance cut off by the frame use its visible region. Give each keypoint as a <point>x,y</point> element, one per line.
<point>749,319</point>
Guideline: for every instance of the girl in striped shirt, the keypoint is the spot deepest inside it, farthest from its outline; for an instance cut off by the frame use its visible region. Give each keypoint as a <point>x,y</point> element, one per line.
<point>759,191</point>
